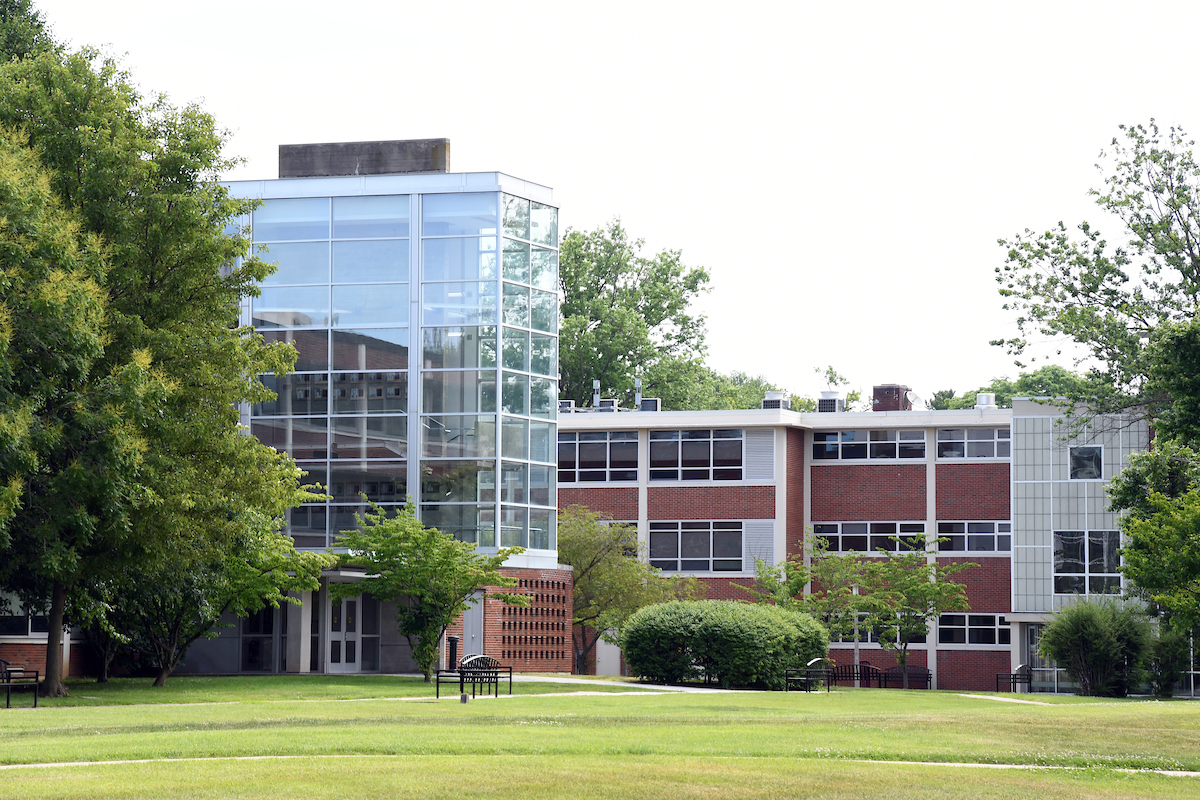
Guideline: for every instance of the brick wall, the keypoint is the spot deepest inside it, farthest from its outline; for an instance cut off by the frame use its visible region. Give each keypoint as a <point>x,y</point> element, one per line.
<point>725,588</point>
<point>536,638</point>
<point>973,491</point>
<point>32,655</point>
<point>972,669</point>
<point>795,492</point>
<point>988,585</point>
<point>710,502</point>
<point>876,657</point>
<point>619,503</point>
<point>868,492</point>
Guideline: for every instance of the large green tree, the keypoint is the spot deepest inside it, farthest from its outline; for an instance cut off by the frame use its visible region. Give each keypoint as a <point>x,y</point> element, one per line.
<point>142,177</point>
<point>1049,381</point>
<point>627,315</point>
<point>611,579</point>
<point>432,576</point>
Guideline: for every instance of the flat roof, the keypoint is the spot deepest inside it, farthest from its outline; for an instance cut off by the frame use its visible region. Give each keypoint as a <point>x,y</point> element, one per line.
<point>775,418</point>
<point>415,183</point>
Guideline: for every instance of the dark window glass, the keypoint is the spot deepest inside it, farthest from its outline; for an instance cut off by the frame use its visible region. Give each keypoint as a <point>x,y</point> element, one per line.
<point>821,451</point>
<point>1104,551</point>
<point>727,453</point>
<point>664,454</point>
<point>623,455</point>
<point>593,455</point>
<point>727,544</point>
<point>1068,552</point>
<point>664,544</point>
<point>566,455</point>
<point>854,450</point>
<point>1085,463</point>
<point>695,454</point>
<point>1068,584</point>
<point>883,450</point>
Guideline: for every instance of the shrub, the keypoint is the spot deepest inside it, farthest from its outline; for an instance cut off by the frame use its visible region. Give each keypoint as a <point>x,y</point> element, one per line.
<point>1100,645</point>
<point>737,644</point>
<point>1166,660</point>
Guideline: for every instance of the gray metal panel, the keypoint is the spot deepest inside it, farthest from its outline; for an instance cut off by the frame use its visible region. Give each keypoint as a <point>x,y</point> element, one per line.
<point>473,627</point>
<point>364,158</point>
<point>759,459</point>
<point>759,541</point>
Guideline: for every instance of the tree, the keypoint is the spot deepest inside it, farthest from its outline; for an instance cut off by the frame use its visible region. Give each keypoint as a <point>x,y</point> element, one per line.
<point>626,315</point>
<point>1049,381</point>
<point>906,592</point>
<point>710,390</point>
<point>611,580</point>
<point>112,487</point>
<point>1111,301</point>
<point>1100,645</point>
<point>432,576</point>
<point>22,30</point>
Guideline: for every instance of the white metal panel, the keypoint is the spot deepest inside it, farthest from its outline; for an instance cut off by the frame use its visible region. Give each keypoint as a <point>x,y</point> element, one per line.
<point>758,541</point>
<point>758,462</point>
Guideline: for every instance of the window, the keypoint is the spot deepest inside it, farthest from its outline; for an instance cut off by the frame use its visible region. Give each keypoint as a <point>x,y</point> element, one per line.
<point>975,537</point>
<point>867,537</point>
<point>696,546</point>
<point>1086,463</point>
<point>597,456</point>
<point>864,634</point>
<point>973,629</point>
<point>868,444</point>
<point>699,455</point>
<point>1087,562</point>
<point>18,621</point>
<point>974,443</point>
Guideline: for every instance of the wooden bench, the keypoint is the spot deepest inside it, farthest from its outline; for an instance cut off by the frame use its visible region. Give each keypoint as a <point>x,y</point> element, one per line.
<point>478,670</point>
<point>918,677</point>
<point>865,674</point>
<point>1023,676</point>
<point>816,672</point>
<point>17,677</point>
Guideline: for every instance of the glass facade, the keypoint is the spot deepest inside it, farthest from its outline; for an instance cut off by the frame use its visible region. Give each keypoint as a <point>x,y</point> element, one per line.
<point>467,282</point>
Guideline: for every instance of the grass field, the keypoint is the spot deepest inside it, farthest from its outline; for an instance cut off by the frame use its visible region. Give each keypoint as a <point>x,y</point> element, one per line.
<point>355,737</point>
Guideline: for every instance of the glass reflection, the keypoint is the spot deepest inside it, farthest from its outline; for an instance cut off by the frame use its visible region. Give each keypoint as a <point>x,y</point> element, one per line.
<point>516,305</point>
<point>367,262</point>
<point>543,223</point>
<point>294,394</point>
<point>458,214</point>
<point>543,398</point>
<point>312,347</point>
<point>371,349</point>
<point>369,437</point>
<point>306,526</point>
<point>513,522</point>
<point>544,311</point>
<point>299,262</point>
<point>458,436</point>
<point>290,307</point>
<point>458,481</point>
<point>458,348</point>
<point>541,485</point>
<point>458,392</point>
<point>516,261</point>
<point>369,392</point>
<point>380,217</point>
<point>516,348</point>
<point>459,259</point>
<point>516,216</point>
<point>514,482</point>
<point>285,220</point>
<point>467,523</point>
<point>515,398</point>
<point>543,355</point>
<point>375,304</point>
<point>459,303</point>
<point>380,481</point>
<point>541,529</point>
<point>544,265</point>
<point>514,438</point>
<point>299,438</point>
<point>541,441</point>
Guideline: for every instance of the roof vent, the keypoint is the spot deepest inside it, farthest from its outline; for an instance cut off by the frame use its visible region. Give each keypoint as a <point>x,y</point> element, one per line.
<point>650,404</point>
<point>776,400</point>
<point>830,402</point>
<point>985,400</point>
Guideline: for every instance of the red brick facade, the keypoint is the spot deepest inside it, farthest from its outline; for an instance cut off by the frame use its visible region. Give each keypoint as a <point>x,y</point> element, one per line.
<point>868,492</point>
<point>710,502</point>
<point>725,588</point>
<point>974,670</point>
<point>989,585</point>
<point>32,655</point>
<point>795,492</point>
<point>973,491</point>
<point>618,502</point>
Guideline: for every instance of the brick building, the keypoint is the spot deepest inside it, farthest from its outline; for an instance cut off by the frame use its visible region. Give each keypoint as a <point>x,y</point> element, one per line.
<point>1007,489</point>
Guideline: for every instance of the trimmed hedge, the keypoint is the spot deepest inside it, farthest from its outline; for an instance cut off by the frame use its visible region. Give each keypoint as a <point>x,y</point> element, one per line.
<point>738,644</point>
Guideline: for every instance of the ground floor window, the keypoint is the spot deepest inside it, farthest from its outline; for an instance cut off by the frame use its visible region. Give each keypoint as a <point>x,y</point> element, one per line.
<point>987,629</point>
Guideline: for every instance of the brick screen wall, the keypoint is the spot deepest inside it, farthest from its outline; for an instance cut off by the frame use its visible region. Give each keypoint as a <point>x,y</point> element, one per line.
<point>619,503</point>
<point>868,492</point>
<point>795,492</point>
<point>973,491</point>
<point>710,502</point>
<point>974,670</point>
<point>988,585</point>
<point>536,638</point>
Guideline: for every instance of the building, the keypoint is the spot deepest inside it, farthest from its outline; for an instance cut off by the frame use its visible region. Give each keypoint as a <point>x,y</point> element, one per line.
<point>1012,490</point>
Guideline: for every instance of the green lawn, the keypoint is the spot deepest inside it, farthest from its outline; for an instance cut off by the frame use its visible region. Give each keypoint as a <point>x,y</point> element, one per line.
<point>358,737</point>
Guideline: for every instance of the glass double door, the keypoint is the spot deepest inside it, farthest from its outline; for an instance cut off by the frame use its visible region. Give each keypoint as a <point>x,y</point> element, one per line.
<point>353,637</point>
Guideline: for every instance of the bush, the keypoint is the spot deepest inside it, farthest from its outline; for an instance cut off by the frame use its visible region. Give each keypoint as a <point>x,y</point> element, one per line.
<point>737,644</point>
<point>1100,645</point>
<point>1166,660</point>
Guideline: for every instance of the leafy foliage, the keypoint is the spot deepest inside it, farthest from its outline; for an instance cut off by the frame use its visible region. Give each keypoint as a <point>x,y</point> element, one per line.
<point>1099,644</point>
<point>611,581</point>
<point>737,644</point>
<point>432,576</point>
<point>627,315</point>
<point>1049,381</point>
<point>1167,657</point>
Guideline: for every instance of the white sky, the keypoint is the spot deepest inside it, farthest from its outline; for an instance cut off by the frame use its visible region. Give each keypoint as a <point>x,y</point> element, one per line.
<point>843,170</point>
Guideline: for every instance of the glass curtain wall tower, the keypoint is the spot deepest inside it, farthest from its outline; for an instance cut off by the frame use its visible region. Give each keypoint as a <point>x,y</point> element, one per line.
<point>424,309</point>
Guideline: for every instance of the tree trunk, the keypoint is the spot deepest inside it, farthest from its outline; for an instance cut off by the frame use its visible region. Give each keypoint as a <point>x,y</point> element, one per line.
<point>582,648</point>
<point>53,685</point>
<point>902,660</point>
<point>163,672</point>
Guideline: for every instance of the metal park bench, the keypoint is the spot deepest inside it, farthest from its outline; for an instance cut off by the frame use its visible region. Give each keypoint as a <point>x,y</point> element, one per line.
<point>865,674</point>
<point>1023,675</point>
<point>17,677</point>
<point>816,672</point>
<point>478,670</point>
<point>894,676</point>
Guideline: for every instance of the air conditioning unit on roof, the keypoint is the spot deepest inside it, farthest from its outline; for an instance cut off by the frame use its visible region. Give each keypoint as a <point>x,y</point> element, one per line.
<point>607,405</point>
<point>830,402</point>
<point>566,406</point>
<point>650,404</point>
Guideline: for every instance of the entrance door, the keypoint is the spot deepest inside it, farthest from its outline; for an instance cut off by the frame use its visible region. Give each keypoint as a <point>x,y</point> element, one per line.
<point>343,636</point>
<point>473,627</point>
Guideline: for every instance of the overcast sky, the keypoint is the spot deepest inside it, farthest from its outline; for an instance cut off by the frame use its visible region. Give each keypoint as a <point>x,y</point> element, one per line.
<point>843,170</point>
